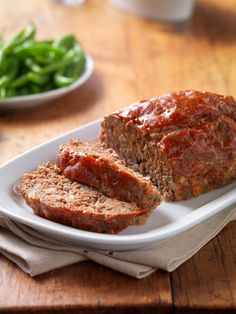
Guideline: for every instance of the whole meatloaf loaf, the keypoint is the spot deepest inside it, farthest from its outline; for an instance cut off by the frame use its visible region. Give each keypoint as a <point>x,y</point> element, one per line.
<point>90,163</point>
<point>57,198</point>
<point>185,141</point>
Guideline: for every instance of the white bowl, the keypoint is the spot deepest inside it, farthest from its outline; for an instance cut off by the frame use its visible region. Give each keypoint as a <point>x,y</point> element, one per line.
<point>29,101</point>
<point>163,10</point>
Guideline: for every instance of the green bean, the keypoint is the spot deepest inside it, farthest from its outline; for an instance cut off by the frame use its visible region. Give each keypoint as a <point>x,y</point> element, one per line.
<point>5,63</point>
<point>34,89</point>
<point>67,42</point>
<point>33,66</point>
<point>20,37</point>
<point>62,80</point>
<point>2,92</point>
<point>67,58</point>
<point>76,70</point>
<point>37,49</point>
<point>70,73</point>
<point>20,81</point>
<point>30,77</point>
<point>49,86</point>
<point>23,91</point>
<point>7,92</point>
<point>11,70</point>
<point>38,78</point>
<point>10,92</point>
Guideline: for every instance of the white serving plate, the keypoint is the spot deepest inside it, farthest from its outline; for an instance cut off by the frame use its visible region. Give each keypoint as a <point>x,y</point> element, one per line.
<point>30,101</point>
<point>168,220</point>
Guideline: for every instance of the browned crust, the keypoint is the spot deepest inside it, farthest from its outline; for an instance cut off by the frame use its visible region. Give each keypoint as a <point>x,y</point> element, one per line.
<point>84,221</point>
<point>93,212</point>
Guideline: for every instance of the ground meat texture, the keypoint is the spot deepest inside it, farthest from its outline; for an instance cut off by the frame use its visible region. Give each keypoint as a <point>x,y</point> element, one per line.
<point>54,197</point>
<point>90,163</point>
<point>185,141</point>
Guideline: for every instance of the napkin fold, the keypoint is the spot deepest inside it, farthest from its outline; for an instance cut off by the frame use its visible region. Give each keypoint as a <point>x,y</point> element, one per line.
<point>36,253</point>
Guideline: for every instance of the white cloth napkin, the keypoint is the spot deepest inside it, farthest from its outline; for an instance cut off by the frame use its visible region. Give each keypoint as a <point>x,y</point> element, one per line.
<point>36,253</point>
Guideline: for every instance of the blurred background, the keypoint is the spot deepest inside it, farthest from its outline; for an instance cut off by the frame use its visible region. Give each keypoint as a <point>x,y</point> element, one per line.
<point>134,57</point>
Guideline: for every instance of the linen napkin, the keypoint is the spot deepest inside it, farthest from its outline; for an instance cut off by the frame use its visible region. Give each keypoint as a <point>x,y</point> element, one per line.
<point>36,253</point>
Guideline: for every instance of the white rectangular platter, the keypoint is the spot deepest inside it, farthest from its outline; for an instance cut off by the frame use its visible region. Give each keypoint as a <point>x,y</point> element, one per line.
<point>166,221</point>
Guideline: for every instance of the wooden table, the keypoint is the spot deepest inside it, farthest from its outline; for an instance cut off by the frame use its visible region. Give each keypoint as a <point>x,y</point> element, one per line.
<point>134,58</point>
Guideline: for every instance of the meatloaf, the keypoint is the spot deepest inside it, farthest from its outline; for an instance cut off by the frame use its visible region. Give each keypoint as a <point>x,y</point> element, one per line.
<point>90,163</point>
<point>57,198</point>
<point>185,141</point>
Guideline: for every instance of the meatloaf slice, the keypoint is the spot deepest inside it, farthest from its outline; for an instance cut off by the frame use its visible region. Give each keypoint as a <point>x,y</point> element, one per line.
<point>90,163</point>
<point>185,141</point>
<point>54,197</point>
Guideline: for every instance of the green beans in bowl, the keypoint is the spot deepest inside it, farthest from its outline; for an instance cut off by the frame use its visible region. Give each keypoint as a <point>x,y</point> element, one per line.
<point>50,68</point>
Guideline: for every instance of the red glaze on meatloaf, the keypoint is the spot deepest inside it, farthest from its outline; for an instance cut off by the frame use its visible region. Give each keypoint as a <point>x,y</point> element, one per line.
<point>92,164</point>
<point>178,110</point>
<point>185,141</point>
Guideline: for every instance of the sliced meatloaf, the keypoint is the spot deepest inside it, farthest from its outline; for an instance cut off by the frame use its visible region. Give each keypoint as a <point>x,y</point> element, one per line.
<point>185,141</point>
<point>90,163</point>
<point>57,198</point>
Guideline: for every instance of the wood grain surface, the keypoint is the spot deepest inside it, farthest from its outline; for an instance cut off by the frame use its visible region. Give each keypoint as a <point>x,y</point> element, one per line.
<point>208,280</point>
<point>81,286</point>
<point>134,58</point>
